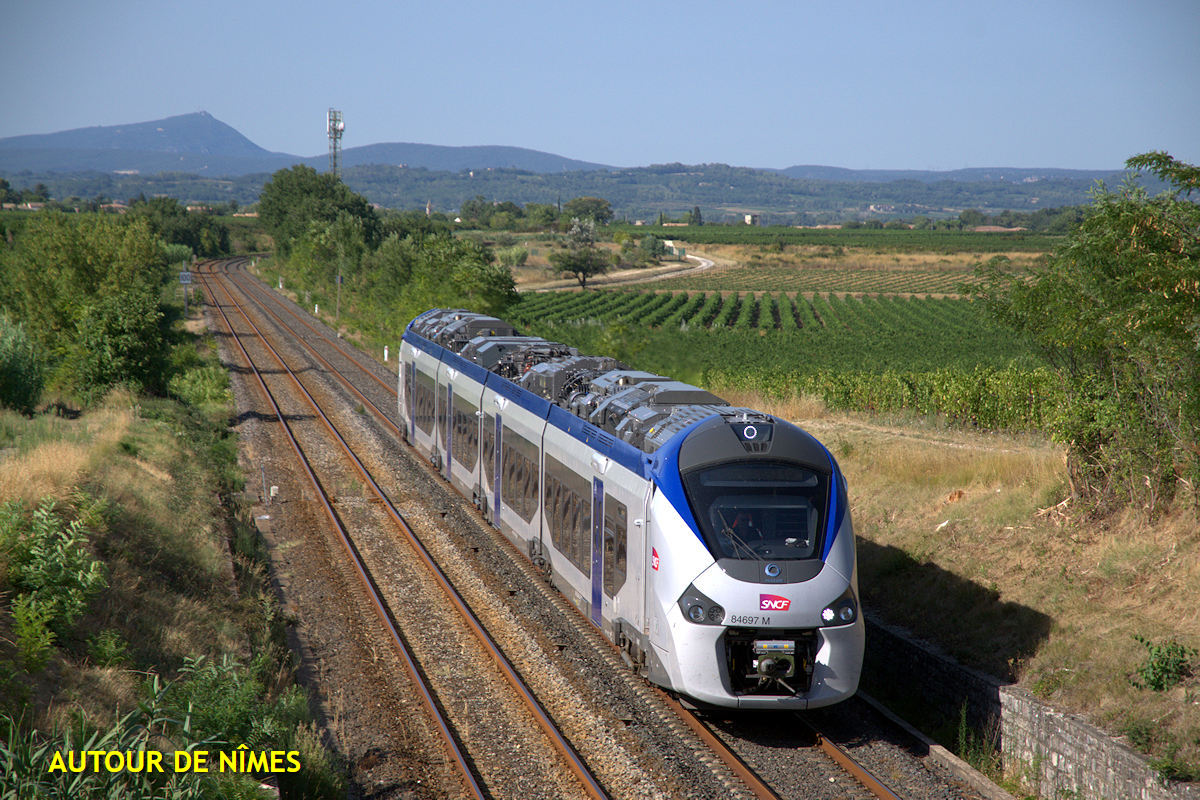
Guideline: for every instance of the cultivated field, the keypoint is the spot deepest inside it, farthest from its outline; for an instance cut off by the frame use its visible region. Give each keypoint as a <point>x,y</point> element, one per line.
<point>940,419</point>
<point>834,268</point>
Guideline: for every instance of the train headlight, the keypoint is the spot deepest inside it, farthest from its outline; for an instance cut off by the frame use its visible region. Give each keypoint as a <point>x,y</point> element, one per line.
<point>699,608</point>
<point>842,611</point>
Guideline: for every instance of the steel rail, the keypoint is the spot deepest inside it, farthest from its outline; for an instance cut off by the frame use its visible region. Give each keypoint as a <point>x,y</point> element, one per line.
<point>389,623</point>
<point>558,740</point>
<point>850,765</point>
<point>335,343</point>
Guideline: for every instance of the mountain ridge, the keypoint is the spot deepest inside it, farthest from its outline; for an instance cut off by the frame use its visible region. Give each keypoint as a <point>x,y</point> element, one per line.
<point>199,142</point>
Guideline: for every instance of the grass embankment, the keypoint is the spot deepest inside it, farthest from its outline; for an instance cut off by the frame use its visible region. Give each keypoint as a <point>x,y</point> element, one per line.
<point>178,642</point>
<point>965,540</point>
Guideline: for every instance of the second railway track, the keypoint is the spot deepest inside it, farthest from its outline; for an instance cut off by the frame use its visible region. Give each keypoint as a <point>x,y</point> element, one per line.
<point>638,744</point>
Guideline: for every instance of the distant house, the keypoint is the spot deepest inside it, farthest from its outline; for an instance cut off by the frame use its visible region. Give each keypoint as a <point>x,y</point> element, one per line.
<point>752,219</point>
<point>114,208</point>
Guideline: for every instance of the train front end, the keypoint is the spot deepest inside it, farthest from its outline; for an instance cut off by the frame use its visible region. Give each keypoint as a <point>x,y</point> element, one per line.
<point>753,580</point>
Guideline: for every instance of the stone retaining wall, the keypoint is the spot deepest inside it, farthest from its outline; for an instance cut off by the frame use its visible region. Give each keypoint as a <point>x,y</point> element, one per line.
<point>1064,755</point>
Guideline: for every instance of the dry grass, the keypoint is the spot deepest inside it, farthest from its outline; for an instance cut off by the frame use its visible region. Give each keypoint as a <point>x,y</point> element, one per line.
<point>964,538</point>
<point>52,454</point>
<point>171,591</point>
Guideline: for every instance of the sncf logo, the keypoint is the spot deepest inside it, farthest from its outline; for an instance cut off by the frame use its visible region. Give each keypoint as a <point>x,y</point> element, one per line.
<point>654,559</point>
<point>773,602</point>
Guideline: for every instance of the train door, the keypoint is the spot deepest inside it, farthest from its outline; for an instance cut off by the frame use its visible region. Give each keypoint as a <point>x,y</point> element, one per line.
<point>616,578</point>
<point>445,400</point>
<point>598,551</point>
<point>491,426</point>
<point>410,372</point>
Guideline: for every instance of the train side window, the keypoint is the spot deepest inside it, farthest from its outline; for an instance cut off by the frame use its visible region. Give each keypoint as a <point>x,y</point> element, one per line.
<point>616,535</point>
<point>569,513</point>
<point>423,401</point>
<point>465,441</point>
<point>519,466</point>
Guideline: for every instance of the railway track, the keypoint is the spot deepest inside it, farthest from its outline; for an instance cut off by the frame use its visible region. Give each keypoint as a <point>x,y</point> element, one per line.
<point>368,384</point>
<point>383,607</point>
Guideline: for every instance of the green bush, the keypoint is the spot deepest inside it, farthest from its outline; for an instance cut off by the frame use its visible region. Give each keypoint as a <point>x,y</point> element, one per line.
<point>1166,665</point>
<point>31,618</point>
<point>108,649</point>
<point>48,560</point>
<point>21,374</point>
<point>202,387</point>
<point>120,340</point>
<point>515,256</point>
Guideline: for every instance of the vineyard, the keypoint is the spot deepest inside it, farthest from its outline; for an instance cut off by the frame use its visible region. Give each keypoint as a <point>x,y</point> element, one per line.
<point>828,279</point>
<point>931,356</point>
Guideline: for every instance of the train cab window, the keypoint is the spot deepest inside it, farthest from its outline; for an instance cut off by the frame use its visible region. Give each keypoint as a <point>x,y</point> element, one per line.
<point>616,535</point>
<point>568,506</point>
<point>759,509</point>
<point>465,440</point>
<point>423,401</point>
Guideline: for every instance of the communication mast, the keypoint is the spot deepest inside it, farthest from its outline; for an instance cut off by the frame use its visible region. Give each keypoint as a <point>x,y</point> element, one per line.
<point>336,126</point>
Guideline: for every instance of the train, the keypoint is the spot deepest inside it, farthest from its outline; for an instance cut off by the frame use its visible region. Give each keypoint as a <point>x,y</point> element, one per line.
<point>712,544</point>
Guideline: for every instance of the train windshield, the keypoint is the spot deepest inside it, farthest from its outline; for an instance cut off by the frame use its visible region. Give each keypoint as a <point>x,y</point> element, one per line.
<point>759,510</point>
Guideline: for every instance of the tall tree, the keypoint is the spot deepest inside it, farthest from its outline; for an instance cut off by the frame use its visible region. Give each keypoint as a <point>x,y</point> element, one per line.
<point>596,209</point>
<point>1116,309</point>
<point>581,260</point>
<point>296,197</point>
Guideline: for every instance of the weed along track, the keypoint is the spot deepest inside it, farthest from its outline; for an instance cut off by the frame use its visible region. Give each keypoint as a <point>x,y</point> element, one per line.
<point>400,591</point>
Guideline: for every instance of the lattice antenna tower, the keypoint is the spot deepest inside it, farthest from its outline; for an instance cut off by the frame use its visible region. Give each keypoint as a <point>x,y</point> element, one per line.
<point>336,127</point>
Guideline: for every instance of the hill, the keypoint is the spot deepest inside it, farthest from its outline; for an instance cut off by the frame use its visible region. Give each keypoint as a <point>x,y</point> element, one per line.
<point>457,159</point>
<point>200,143</point>
<point>198,158</point>
<point>197,143</point>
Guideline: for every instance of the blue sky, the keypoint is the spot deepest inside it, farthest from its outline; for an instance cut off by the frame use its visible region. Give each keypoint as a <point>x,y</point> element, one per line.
<point>853,83</point>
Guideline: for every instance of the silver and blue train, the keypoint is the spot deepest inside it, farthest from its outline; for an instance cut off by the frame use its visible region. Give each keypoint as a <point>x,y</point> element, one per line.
<point>713,545</point>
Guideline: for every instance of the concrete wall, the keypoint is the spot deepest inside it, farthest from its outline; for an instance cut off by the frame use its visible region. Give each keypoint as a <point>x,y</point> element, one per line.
<point>1065,756</point>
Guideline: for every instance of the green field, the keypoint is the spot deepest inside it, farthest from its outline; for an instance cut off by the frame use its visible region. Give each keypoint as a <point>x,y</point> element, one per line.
<point>934,356</point>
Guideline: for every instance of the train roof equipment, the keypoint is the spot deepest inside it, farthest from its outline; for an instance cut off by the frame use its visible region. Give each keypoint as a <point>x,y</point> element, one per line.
<point>640,408</point>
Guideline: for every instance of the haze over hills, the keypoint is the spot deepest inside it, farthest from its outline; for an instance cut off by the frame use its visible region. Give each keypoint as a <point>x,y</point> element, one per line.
<point>196,157</point>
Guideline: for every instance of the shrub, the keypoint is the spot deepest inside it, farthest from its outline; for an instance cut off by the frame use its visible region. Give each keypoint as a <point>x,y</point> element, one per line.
<point>21,374</point>
<point>31,618</point>
<point>49,561</point>
<point>120,340</point>
<point>1166,665</point>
